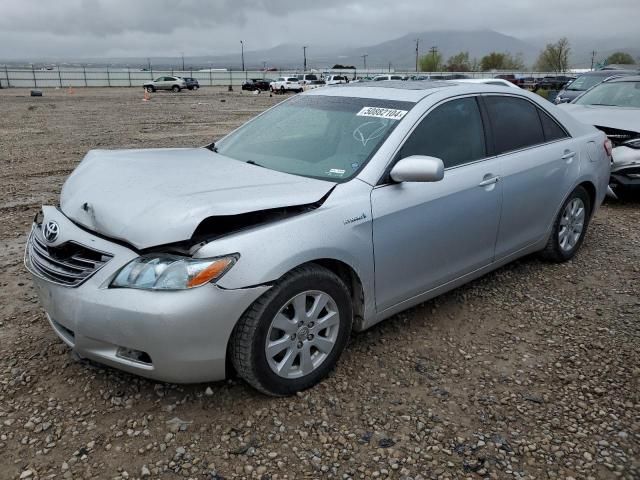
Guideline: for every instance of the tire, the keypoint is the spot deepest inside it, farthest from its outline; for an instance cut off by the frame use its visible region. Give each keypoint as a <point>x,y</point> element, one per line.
<point>150,89</point>
<point>561,248</point>
<point>282,90</point>
<point>257,327</point>
<point>175,89</point>
<point>196,87</point>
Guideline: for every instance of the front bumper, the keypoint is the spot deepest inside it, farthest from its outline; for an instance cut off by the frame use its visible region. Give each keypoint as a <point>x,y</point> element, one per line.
<point>172,336</point>
<point>625,169</point>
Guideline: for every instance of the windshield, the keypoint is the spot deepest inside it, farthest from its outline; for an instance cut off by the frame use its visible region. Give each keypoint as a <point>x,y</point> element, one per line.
<point>317,136</point>
<point>585,82</point>
<point>614,94</point>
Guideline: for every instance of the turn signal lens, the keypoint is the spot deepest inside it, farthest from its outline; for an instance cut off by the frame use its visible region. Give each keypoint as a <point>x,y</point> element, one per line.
<point>212,272</point>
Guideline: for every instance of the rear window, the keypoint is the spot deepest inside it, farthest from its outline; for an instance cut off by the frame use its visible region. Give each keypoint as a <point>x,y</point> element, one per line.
<point>515,123</point>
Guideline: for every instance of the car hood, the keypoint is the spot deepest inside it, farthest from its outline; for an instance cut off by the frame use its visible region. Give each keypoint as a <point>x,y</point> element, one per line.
<point>602,116</point>
<point>157,196</point>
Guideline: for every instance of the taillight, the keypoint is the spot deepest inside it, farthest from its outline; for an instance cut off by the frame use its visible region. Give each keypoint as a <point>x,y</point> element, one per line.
<point>608,147</point>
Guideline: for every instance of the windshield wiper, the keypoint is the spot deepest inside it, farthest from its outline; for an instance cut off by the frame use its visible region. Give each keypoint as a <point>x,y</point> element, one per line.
<point>212,147</point>
<point>604,104</point>
<point>251,162</point>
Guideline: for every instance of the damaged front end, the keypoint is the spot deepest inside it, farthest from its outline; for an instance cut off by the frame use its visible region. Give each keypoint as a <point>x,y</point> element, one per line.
<point>625,163</point>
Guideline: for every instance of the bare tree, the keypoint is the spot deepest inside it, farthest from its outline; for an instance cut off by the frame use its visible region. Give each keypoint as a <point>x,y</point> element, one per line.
<point>554,57</point>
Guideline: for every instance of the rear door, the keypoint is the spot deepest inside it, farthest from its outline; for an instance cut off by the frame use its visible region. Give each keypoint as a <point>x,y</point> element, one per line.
<point>540,164</point>
<point>427,234</point>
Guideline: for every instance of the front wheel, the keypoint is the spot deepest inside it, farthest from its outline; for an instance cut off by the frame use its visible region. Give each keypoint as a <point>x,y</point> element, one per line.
<point>150,89</point>
<point>292,337</point>
<point>569,228</point>
<point>175,89</point>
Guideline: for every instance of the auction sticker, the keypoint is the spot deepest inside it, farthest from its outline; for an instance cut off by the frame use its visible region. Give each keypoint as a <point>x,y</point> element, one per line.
<point>378,112</point>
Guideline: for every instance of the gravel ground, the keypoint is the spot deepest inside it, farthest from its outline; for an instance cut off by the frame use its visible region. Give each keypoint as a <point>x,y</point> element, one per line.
<point>530,372</point>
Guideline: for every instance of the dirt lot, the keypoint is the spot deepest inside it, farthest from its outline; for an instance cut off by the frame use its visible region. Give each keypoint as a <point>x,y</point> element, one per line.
<point>530,372</point>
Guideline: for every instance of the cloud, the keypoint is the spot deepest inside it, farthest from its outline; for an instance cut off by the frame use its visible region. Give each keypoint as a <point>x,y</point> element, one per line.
<point>76,28</point>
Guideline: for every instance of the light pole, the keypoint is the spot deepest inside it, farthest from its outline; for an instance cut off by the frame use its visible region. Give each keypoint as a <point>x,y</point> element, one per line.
<point>417,52</point>
<point>182,53</point>
<point>242,53</point>
<point>304,53</point>
<point>364,57</point>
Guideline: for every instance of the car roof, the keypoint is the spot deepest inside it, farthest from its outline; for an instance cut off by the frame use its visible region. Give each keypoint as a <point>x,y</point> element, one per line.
<point>627,78</point>
<point>413,91</point>
<point>610,73</point>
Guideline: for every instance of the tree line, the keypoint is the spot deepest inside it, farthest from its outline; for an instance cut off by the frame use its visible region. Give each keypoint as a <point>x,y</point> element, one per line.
<point>554,57</point>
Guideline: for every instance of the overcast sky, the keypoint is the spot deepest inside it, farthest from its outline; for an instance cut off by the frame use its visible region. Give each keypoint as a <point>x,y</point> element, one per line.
<point>120,28</point>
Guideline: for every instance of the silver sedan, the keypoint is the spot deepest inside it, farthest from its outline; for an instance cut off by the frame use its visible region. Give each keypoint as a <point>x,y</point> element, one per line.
<point>324,215</point>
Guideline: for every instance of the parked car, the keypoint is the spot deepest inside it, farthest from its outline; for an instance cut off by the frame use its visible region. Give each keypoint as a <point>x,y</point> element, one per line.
<point>613,106</point>
<point>257,84</point>
<point>382,78</point>
<point>191,83</point>
<point>165,83</point>
<point>488,81</point>
<point>327,213</point>
<point>509,77</point>
<point>307,78</point>
<point>553,83</point>
<point>314,84</point>
<point>336,79</point>
<point>286,84</point>
<point>587,80</point>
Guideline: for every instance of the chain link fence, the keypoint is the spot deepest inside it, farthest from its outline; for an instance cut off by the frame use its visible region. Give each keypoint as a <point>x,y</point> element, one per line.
<point>127,77</point>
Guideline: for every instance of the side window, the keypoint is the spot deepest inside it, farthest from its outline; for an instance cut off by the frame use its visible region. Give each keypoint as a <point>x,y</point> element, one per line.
<point>552,131</point>
<point>515,123</point>
<point>452,132</point>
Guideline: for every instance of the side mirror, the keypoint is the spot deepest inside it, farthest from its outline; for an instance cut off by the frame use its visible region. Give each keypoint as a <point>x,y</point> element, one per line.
<point>418,168</point>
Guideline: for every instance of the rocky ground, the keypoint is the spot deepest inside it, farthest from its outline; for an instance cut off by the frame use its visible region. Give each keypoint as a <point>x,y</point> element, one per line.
<point>530,372</point>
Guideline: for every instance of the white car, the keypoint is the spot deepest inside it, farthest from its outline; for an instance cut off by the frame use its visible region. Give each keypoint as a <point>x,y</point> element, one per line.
<point>307,78</point>
<point>336,79</point>
<point>383,78</point>
<point>284,84</point>
<point>488,81</point>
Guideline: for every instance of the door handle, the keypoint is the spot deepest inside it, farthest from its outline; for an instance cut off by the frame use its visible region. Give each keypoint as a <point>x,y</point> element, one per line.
<point>489,180</point>
<point>568,155</point>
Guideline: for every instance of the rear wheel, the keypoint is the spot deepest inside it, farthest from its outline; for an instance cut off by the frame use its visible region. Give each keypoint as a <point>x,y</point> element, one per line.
<point>292,337</point>
<point>569,228</point>
<point>150,89</point>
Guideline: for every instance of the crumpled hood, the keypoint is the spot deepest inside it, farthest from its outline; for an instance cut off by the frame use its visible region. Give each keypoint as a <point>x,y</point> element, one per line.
<point>157,196</point>
<point>602,116</point>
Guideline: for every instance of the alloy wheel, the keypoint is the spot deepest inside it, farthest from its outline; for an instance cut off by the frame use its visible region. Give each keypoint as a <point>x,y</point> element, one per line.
<point>302,334</point>
<point>571,224</point>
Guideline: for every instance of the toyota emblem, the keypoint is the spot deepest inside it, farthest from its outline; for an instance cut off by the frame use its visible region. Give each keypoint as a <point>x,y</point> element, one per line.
<point>51,231</point>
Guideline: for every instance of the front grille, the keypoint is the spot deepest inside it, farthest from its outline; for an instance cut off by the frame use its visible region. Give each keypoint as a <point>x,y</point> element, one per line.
<point>617,136</point>
<point>68,264</point>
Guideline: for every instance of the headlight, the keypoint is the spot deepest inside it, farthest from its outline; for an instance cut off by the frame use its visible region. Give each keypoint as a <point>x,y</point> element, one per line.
<point>172,272</point>
<point>635,143</point>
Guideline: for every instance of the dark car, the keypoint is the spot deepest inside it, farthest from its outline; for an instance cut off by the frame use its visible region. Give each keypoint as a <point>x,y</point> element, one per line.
<point>192,83</point>
<point>257,84</point>
<point>587,80</point>
<point>553,82</point>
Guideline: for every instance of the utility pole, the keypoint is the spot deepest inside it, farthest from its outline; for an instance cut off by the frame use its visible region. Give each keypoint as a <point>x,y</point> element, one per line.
<point>242,53</point>
<point>417,52</point>
<point>304,53</point>
<point>434,53</point>
<point>389,67</point>
<point>149,63</point>
<point>364,57</point>
<point>182,53</point>
<point>593,57</point>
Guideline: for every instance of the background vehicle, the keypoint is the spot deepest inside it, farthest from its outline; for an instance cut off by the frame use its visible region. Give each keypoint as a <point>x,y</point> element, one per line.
<point>192,83</point>
<point>488,81</point>
<point>216,255</point>
<point>307,78</point>
<point>165,83</point>
<point>587,80</point>
<point>286,84</point>
<point>336,79</point>
<point>553,83</point>
<point>382,78</point>
<point>257,84</point>
<point>314,84</point>
<point>613,106</point>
